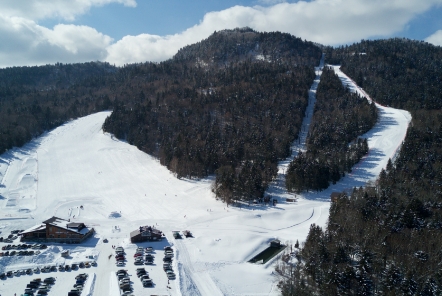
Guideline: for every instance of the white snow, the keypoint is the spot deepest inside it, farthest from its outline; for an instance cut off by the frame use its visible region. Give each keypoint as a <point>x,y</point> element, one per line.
<point>77,165</point>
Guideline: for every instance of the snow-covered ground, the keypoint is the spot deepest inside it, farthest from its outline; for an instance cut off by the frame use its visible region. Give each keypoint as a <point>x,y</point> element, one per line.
<point>77,165</point>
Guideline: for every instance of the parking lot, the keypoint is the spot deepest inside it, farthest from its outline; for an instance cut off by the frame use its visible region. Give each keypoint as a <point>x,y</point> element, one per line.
<point>96,259</point>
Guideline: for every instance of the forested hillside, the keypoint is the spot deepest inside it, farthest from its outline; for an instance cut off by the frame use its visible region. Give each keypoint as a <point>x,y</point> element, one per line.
<point>385,239</point>
<point>333,146</point>
<point>35,99</point>
<point>230,105</point>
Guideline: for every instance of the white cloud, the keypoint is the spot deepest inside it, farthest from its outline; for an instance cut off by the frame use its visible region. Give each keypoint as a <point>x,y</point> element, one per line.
<point>330,22</point>
<point>30,44</point>
<point>435,38</point>
<point>64,9</point>
<point>270,2</point>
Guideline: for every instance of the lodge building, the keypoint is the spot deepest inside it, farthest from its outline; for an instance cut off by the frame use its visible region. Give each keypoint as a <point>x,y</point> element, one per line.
<point>145,233</point>
<point>58,230</point>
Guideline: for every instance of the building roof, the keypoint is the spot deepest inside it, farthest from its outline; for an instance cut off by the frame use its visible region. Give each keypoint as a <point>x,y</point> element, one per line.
<point>74,224</point>
<point>66,224</point>
<point>145,228</point>
<point>34,228</point>
<point>54,221</point>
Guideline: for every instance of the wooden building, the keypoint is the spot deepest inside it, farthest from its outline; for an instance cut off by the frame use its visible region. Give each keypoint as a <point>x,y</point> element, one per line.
<point>58,230</point>
<point>145,233</point>
<point>334,196</point>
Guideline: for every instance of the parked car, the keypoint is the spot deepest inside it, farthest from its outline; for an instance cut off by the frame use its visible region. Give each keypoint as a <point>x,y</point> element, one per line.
<point>120,263</point>
<point>49,280</point>
<point>81,276</point>
<point>147,283</point>
<point>141,273</point>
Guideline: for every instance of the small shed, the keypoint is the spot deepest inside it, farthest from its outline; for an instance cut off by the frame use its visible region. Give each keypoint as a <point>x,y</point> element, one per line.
<point>276,243</point>
<point>334,196</point>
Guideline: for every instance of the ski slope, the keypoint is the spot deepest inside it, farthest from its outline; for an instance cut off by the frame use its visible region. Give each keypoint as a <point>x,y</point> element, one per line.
<point>78,165</point>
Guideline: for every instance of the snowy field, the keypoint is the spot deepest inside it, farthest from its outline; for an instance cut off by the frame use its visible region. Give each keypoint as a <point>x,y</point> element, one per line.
<point>77,165</point>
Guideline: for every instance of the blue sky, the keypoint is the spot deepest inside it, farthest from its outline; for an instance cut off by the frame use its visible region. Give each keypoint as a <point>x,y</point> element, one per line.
<point>35,32</point>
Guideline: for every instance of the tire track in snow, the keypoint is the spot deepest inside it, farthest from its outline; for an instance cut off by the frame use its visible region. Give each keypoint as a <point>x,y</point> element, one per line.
<point>200,283</point>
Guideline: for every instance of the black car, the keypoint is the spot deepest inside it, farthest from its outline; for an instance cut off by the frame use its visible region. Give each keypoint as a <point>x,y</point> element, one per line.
<point>32,286</point>
<point>49,280</point>
<point>81,264</point>
<point>2,275</point>
<point>81,276</point>
<point>147,283</point>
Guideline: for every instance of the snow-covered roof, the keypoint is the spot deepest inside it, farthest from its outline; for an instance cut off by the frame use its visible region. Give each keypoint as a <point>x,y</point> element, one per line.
<point>146,229</point>
<point>35,228</point>
<point>67,225</point>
